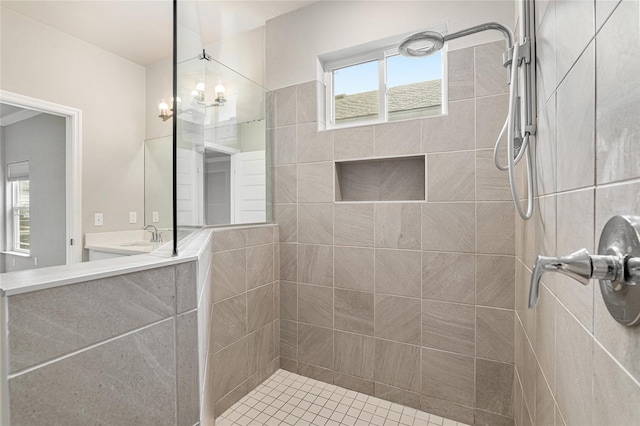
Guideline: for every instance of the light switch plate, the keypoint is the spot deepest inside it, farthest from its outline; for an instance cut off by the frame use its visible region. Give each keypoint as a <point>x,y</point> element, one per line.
<point>155,217</point>
<point>98,219</point>
<point>133,217</point>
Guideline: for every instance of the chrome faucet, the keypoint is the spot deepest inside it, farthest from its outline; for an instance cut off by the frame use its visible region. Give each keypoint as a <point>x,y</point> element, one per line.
<point>579,265</point>
<point>156,236</point>
<point>616,266</point>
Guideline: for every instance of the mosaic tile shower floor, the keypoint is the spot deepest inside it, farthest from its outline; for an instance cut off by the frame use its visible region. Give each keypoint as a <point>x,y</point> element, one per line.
<point>288,399</point>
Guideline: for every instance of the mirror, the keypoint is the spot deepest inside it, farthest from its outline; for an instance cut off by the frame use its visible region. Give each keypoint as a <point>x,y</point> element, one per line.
<point>222,168</point>
<point>107,63</point>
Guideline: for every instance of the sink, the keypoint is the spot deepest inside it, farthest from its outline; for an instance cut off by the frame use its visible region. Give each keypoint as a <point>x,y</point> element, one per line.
<point>139,244</point>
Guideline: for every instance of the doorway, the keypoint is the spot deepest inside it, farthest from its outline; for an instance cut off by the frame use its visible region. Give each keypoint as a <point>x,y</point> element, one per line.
<point>50,183</point>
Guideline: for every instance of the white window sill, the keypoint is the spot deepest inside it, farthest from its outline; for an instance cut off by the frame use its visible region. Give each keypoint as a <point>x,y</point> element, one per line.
<point>16,253</point>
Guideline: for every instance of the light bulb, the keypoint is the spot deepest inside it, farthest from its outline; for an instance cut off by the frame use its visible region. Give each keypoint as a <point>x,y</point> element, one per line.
<point>219,89</point>
<point>163,106</point>
<point>200,87</point>
<point>194,93</point>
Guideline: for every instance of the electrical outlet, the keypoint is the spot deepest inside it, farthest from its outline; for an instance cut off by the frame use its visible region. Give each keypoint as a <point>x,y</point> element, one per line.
<point>155,217</point>
<point>133,217</point>
<point>98,219</point>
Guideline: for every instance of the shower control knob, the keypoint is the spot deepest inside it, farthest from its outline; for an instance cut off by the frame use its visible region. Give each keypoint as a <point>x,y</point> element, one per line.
<point>617,266</point>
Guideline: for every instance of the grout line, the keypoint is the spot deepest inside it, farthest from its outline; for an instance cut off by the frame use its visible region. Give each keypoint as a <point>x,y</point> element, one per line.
<point>86,348</point>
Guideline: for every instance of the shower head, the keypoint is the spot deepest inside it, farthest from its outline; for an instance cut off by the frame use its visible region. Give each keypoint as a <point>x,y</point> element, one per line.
<point>434,40</point>
<point>429,41</point>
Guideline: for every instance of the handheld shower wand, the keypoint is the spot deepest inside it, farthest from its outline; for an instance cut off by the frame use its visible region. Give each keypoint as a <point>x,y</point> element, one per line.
<point>518,129</point>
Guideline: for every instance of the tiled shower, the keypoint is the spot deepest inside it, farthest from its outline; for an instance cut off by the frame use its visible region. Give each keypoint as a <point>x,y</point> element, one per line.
<point>407,301</point>
<point>393,310</point>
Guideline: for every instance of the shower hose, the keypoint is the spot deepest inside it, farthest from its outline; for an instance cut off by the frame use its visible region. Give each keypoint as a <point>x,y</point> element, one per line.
<point>525,149</point>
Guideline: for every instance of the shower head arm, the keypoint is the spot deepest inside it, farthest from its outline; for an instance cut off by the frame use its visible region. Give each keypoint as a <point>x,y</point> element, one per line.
<point>506,32</point>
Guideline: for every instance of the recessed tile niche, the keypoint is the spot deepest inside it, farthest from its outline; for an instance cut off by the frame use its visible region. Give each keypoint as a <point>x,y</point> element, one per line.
<point>387,179</point>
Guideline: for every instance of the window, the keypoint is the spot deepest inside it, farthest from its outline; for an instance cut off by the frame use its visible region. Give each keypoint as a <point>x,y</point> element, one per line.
<point>19,225</point>
<point>383,86</point>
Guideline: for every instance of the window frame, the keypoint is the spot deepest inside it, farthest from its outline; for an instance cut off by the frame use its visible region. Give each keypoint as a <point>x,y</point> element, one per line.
<point>380,55</point>
<point>16,212</point>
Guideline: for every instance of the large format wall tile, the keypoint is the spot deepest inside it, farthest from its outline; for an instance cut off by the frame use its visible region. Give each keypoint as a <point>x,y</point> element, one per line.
<point>261,348</point>
<point>315,305</point>
<point>314,145</point>
<point>491,76</point>
<point>617,399</point>
<point>285,188</point>
<point>398,226</point>
<point>448,376</point>
<point>354,354</point>
<point>353,143</point>
<point>315,223</point>
<point>399,138</point>
<point>451,132</point>
<point>187,372</point>
<point>286,216</point>
<point>229,273</point>
<point>448,277</point>
<point>494,334</point>
<point>315,345</point>
<point>576,124</point>
<point>284,106</point>
<point>398,272</point>
<point>230,368</point>
<point>574,356</point>
<point>259,307</point>
<point>451,176</point>
<point>122,382</point>
<point>397,318</point>
<point>448,227</point>
<point>460,74</point>
<point>494,281</point>
<point>491,112</point>
<point>259,265</point>
<point>228,321</point>
<point>315,264</point>
<point>49,323</point>
<point>354,311</point>
<point>284,145</point>
<point>354,268</point>
<point>494,384</point>
<point>315,183</point>
<point>307,97</point>
<point>396,365</point>
<point>354,224</point>
<point>186,286</point>
<point>449,327</point>
<point>617,99</point>
<point>574,30</point>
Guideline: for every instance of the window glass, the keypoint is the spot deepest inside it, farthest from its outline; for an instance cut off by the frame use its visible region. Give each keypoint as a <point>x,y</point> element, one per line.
<point>414,86</point>
<point>21,222</point>
<point>356,92</point>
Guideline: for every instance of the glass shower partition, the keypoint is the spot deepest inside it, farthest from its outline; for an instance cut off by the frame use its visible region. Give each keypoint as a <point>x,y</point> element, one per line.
<point>222,170</point>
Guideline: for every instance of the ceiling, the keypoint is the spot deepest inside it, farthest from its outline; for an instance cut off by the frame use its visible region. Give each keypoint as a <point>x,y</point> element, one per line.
<point>141,30</point>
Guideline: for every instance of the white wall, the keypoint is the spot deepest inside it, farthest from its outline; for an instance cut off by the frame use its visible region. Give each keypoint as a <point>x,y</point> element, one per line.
<point>41,141</point>
<point>294,40</point>
<point>44,63</point>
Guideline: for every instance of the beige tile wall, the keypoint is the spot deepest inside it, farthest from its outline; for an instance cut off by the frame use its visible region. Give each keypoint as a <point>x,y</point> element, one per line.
<point>409,301</point>
<point>240,306</point>
<point>574,364</point>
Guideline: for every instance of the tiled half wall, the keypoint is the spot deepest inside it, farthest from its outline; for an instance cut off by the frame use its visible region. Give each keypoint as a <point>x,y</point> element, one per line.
<point>119,351</point>
<point>239,307</point>
<point>408,301</point>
